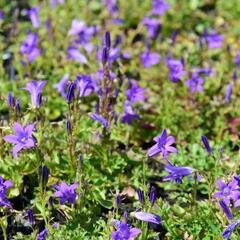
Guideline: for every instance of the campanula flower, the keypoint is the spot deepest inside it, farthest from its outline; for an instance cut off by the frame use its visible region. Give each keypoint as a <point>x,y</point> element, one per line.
<point>237,60</point>
<point>100,119</point>
<point>70,92</point>
<point>228,191</point>
<point>74,54</point>
<point>176,70</point>
<point>228,231</point>
<point>153,26</point>
<point>159,7</point>
<point>149,59</point>
<point>66,193</point>
<point>163,145</point>
<point>61,86</point>
<point>148,217</point>
<point>4,185</point>
<point>30,216</point>
<point>34,88</point>
<point>29,47</point>
<point>33,14</point>
<point>228,92</point>
<point>135,93</point>
<point>129,115</point>
<point>176,173</point>
<point>226,209</point>
<point>195,83</point>
<point>213,39</point>
<point>44,233</point>
<point>125,232</point>
<point>10,100</point>
<point>140,195</point>
<point>206,144</point>
<point>84,85</point>
<point>54,3</point>
<point>23,138</point>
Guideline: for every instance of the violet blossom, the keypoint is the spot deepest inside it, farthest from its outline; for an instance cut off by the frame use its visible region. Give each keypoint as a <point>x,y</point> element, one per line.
<point>61,85</point>
<point>128,115</point>
<point>176,70</point>
<point>74,54</point>
<point>226,209</point>
<point>213,39</point>
<point>163,145</point>
<point>228,92</point>
<point>100,119</point>
<point>237,60</point>
<point>150,58</point>
<point>54,3</point>
<point>228,231</point>
<point>153,26</point>
<point>228,192</point>
<point>159,7</point>
<point>195,83</point>
<point>35,88</point>
<point>125,232</point>
<point>135,93</point>
<point>29,47</point>
<point>22,139</point>
<point>176,173</point>
<point>85,85</point>
<point>33,14</point>
<point>66,193</point>
<point>4,185</point>
<point>148,217</point>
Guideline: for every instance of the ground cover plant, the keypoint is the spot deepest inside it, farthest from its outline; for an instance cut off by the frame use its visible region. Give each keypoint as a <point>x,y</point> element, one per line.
<point>119,119</point>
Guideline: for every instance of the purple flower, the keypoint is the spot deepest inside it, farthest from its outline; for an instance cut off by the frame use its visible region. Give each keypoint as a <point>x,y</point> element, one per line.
<point>82,32</point>
<point>237,60</point>
<point>228,92</point>
<point>84,85</point>
<point>33,14</point>
<point>149,59</point>
<point>152,195</point>
<point>10,100</point>
<point>1,15</point>
<point>176,173</point>
<point>163,145</point>
<point>135,93</point>
<point>140,195</point>
<point>125,232</point>
<point>35,88</point>
<point>110,55</point>
<point>129,115</point>
<point>29,47</point>
<point>226,209</point>
<point>206,144</point>
<point>176,71</point>
<point>54,3</point>
<point>195,83</point>
<point>44,233</point>
<point>61,86</point>
<point>153,26</point>
<point>148,217</point>
<point>30,216</point>
<point>159,7</point>
<point>4,185</point>
<point>228,231</point>
<point>23,138</point>
<point>213,39</point>
<point>73,53</point>
<point>17,105</point>
<point>70,92</point>
<point>228,191</point>
<point>100,119</point>
<point>66,193</point>
<point>111,6</point>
